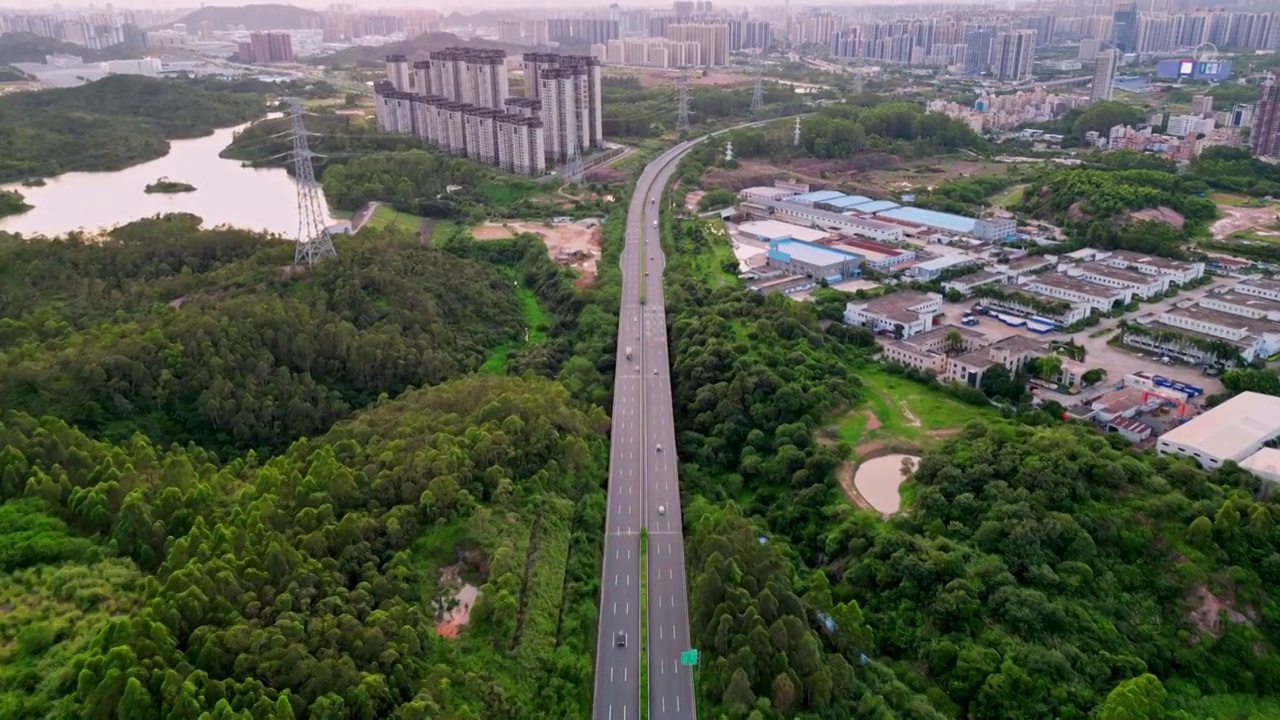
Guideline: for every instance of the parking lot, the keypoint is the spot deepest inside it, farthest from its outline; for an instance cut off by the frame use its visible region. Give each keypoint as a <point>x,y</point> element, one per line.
<point>1117,361</point>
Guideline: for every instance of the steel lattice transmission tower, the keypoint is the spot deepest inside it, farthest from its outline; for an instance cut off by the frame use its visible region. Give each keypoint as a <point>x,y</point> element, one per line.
<point>682,111</point>
<point>314,243</point>
<point>757,91</point>
<point>796,141</point>
<point>572,171</point>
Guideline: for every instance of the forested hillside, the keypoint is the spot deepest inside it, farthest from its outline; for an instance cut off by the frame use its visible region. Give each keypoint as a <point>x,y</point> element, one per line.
<point>191,335</point>
<point>308,586</point>
<point>118,121</point>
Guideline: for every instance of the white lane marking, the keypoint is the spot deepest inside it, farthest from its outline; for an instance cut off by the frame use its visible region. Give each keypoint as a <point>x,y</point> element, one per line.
<point>611,707</point>
<point>664,703</point>
<point>628,581</point>
<point>673,632</point>
<point>610,680</point>
<point>673,601</point>
<point>628,554</point>
<point>659,632</point>
<point>615,607</point>
<point>615,579</point>
<point>663,669</point>
<point>624,679</point>
<point>659,602</point>
<point>677,701</point>
<point>628,612</point>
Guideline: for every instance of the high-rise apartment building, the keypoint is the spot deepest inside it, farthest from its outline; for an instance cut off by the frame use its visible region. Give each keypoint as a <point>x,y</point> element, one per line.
<point>1013,53</point>
<point>1202,105</point>
<point>712,37</point>
<point>1104,75</point>
<point>1264,139</point>
<point>267,47</point>
<point>1124,32</point>
<point>458,101</point>
<point>467,75</point>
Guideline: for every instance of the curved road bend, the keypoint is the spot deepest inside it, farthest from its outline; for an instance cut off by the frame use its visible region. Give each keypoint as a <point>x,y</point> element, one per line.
<point>642,478</point>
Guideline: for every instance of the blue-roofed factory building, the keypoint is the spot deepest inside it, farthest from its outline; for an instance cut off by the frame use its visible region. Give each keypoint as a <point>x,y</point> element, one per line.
<point>817,196</point>
<point>814,261</point>
<point>930,218</point>
<point>873,206</point>
<point>842,203</point>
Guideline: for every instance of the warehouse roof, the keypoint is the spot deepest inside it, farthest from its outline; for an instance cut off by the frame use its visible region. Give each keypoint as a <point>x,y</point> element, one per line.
<point>1230,430</point>
<point>788,250</point>
<point>818,196</point>
<point>848,201</point>
<point>770,230</point>
<point>931,218</point>
<point>874,206</point>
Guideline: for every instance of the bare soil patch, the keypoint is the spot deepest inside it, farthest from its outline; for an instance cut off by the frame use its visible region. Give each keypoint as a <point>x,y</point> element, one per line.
<point>1239,219</point>
<point>650,77</point>
<point>458,611</point>
<point>1206,617</point>
<point>575,245</point>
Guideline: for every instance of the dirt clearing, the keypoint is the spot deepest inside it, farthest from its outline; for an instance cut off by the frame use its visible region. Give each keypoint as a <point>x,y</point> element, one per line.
<point>1238,219</point>
<point>575,244</point>
<point>656,78</point>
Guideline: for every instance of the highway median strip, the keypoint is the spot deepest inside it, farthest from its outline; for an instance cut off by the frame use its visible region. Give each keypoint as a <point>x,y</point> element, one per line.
<point>644,623</point>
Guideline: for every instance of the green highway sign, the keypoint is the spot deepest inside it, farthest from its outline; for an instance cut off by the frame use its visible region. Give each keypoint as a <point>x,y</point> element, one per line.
<point>689,658</point>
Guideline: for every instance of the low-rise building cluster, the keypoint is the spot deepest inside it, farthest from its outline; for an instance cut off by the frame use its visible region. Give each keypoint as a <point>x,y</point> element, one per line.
<point>1239,324</point>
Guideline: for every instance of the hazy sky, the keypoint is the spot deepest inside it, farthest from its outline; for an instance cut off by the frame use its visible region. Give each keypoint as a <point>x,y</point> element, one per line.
<point>447,6</point>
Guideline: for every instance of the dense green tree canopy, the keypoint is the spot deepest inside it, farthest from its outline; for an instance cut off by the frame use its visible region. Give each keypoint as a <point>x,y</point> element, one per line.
<point>115,122</point>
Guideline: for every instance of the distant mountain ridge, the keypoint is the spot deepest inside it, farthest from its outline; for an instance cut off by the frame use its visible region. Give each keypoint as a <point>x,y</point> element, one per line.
<point>413,48</point>
<point>254,17</point>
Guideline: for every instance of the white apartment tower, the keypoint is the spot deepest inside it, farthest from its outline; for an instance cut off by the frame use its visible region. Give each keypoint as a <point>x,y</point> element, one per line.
<point>558,94</point>
<point>1104,75</point>
<point>398,72</point>
<point>459,102</point>
<point>1013,53</point>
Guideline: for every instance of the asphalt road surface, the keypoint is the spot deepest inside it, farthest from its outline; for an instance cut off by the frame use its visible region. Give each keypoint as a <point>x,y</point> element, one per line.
<point>644,491</point>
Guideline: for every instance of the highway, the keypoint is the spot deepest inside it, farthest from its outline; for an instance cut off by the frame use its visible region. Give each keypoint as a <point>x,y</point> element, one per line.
<point>644,491</point>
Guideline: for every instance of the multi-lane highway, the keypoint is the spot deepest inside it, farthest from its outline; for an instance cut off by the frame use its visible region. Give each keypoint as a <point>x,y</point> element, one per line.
<point>642,479</point>
<point>644,491</point>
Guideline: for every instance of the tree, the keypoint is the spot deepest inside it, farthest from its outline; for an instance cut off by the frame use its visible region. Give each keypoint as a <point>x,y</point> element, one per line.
<point>1140,698</point>
<point>738,694</point>
<point>1094,376</point>
<point>955,341</point>
<point>1048,367</point>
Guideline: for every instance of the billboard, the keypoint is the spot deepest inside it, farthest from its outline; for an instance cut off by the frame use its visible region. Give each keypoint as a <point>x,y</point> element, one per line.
<point>1186,69</point>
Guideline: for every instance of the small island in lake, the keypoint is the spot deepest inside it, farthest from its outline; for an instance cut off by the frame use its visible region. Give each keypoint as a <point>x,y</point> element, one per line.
<point>165,185</point>
<point>33,182</point>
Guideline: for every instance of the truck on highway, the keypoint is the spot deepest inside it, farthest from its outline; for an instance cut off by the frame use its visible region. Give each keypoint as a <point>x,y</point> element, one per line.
<point>628,352</point>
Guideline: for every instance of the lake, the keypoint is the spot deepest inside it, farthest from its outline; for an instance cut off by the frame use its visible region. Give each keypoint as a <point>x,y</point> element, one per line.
<point>226,193</point>
<point>878,480</point>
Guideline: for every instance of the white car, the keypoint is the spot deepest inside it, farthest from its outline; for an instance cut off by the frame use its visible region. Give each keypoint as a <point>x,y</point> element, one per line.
<point>655,223</point>
<point>662,509</point>
<point>659,447</point>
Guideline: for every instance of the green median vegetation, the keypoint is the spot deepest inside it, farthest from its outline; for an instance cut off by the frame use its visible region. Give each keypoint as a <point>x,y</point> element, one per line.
<point>644,622</point>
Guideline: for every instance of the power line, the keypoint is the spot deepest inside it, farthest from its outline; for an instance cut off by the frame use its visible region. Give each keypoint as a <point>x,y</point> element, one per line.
<point>682,111</point>
<point>314,243</point>
<point>757,91</point>
<point>572,171</point>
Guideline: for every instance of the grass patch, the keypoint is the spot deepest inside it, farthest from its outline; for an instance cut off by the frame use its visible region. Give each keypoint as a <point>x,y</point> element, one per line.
<point>1234,200</point>
<point>1270,235</point>
<point>904,410</point>
<point>544,586</point>
<point>385,216</point>
<point>1008,197</point>
<point>537,323</point>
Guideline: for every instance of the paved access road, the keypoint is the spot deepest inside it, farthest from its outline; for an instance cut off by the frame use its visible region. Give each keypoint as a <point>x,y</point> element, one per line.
<point>644,491</point>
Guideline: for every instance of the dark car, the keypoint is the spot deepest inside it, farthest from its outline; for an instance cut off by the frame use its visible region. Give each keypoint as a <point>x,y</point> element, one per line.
<point>621,639</point>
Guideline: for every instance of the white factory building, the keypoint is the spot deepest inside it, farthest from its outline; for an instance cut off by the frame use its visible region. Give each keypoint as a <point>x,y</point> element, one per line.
<point>1234,430</point>
<point>903,314</point>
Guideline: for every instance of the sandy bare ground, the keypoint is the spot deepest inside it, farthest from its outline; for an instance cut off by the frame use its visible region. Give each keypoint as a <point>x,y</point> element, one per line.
<point>692,199</point>
<point>1239,219</point>
<point>571,244</point>
<point>650,77</point>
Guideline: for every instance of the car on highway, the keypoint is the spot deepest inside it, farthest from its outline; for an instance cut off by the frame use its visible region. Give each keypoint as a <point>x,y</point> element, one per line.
<point>662,509</point>
<point>659,447</point>
<point>655,371</point>
<point>653,200</point>
<point>655,223</point>
<point>621,639</point>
